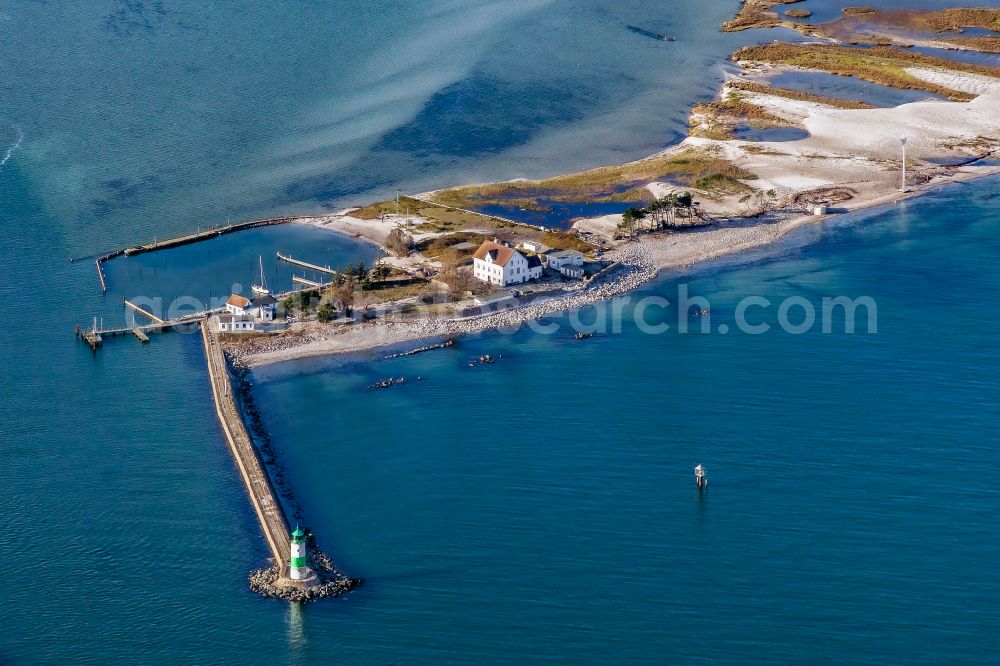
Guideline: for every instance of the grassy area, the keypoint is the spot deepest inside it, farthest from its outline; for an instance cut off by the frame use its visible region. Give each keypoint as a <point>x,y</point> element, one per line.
<point>565,241</point>
<point>443,248</point>
<point>756,14</point>
<point>376,210</point>
<point>439,218</point>
<point>614,183</point>
<point>721,118</point>
<point>387,294</point>
<point>763,88</point>
<point>983,44</point>
<point>718,183</point>
<point>956,18</point>
<point>882,65</point>
<point>861,25</point>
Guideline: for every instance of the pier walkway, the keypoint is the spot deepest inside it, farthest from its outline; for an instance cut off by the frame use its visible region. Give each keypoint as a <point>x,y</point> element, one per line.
<point>306,264</point>
<point>269,512</point>
<point>203,235</point>
<point>186,239</point>
<point>95,335</point>
<point>307,283</point>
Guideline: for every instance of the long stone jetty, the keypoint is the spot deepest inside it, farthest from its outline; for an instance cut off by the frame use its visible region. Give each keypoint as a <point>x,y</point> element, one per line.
<point>262,495</point>
<point>204,234</point>
<point>324,579</point>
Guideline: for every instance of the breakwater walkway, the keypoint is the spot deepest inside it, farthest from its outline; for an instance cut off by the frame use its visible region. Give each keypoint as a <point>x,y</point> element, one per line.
<point>262,494</point>
<point>186,239</point>
<point>204,235</point>
<point>324,580</point>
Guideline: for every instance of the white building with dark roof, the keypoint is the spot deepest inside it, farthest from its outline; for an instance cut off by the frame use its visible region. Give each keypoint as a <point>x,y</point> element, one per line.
<point>263,307</point>
<point>559,258</point>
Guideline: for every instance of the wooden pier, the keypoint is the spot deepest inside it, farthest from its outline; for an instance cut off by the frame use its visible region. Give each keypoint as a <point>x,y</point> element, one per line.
<point>145,313</point>
<point>92,338</point>
<point>306,264</point>
<point>95,335</point>
<point>263,497</point>
<point>100,276</point>
<point>307,283</point>
<point>100,268</point>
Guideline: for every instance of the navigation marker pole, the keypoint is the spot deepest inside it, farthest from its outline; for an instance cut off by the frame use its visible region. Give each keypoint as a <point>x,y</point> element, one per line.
<point>902,180</point>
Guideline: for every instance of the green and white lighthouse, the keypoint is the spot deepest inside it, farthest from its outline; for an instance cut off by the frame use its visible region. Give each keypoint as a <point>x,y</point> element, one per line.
<point>298,570</point>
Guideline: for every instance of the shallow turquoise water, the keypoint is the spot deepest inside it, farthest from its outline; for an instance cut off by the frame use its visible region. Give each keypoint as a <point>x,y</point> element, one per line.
<point>543,508</point>
<point>850,510</point>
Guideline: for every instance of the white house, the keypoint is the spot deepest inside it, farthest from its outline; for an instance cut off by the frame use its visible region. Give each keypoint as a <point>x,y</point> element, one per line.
<point>556,260</point>
<point>238,305</point>
<point>261,308</point>
<point>230,323</point>
<point>503,266</point>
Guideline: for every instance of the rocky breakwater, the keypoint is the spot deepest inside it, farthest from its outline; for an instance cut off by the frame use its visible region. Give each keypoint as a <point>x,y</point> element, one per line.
<point>633,268</point>
<point>325,581</point>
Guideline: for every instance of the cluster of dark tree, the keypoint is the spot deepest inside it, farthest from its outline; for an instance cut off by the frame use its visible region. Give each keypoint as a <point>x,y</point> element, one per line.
<point>337,297</point>
<point>399,242</point>
<point>659,213</point>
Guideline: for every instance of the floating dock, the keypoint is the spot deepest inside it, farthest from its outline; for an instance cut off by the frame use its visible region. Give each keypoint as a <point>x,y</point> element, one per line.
<point>95,336</point>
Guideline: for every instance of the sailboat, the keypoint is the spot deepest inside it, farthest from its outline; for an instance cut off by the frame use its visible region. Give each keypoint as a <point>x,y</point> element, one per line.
<point>261,289</point>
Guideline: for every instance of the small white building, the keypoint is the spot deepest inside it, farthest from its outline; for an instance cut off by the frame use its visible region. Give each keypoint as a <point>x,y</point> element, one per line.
<point>571,271</point>
<point>535,246</point>
<point>502,265</point>
<point>556,260</point>
<point>230,323</point>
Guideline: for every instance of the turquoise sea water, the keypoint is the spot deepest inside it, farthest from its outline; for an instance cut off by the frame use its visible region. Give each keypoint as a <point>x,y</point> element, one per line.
<point>851,506</point>
<point>545,505</point>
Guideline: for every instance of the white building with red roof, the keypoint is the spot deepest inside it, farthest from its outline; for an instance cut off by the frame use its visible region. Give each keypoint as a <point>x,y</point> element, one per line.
<point>502,265</point>
<point>238,305</point>
<point>261,308</point>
